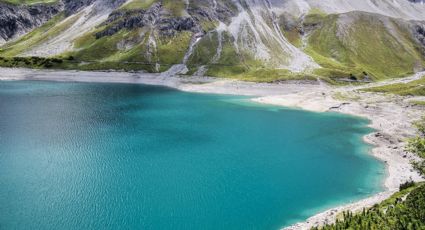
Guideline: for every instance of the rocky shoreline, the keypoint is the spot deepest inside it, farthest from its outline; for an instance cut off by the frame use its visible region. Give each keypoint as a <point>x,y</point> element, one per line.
<point>390,116</point>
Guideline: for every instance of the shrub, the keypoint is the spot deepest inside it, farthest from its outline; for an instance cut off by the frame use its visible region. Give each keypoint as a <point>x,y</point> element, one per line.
<point>415,201</point>
<point>406,185</point>
<point>56,60</point>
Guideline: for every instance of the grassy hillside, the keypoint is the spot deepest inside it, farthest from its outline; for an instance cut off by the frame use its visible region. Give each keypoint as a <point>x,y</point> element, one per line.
<point>227,62</point>
<point>143,46</point>
<point>362,44</point>
<point>37,37</point>
<point>414,88</point>
<point>392,214</point>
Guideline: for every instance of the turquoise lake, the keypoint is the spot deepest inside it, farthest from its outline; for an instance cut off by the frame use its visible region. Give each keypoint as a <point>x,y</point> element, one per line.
<point>122,156</point>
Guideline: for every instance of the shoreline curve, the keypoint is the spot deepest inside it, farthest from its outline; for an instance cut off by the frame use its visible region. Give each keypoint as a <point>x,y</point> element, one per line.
<point>390,116</point>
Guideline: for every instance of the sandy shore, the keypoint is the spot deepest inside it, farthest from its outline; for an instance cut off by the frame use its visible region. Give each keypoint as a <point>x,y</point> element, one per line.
<point>390,116</point>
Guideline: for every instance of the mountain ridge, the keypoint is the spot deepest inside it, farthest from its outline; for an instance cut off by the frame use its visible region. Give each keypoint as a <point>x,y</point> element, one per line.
<point>248,39</point>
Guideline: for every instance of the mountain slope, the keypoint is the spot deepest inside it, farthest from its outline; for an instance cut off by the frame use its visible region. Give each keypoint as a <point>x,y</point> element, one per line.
<point>405,9</point>
<point>16,20</point>
<point>251,39</point>
<point>364,43</point>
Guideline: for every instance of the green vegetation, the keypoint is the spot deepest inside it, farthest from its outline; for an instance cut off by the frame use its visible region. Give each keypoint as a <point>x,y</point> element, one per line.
<point>414,88</point>
<point>392,214</point>
<point>171,50</point>
<point>143,46</point>
<point>205,50</point>
<point>268,75</point>
<point>417,146</point>
<point>137,4</point>
<point>236,65</point>
<point>38,36</point>
<point>364,45</point>
<point>107,48</point>
<point>346,96</point>
<point>293,37</point>
<point>405,210</point>
<point>69,63</point>
<point>317,12</point>
<point>33,62</point>
<point>176,7</point>
<point>418,103</point>
<point>230,62</point>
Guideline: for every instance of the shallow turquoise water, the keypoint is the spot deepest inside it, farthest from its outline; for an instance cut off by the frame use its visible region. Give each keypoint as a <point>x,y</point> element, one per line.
<point>118,156</point>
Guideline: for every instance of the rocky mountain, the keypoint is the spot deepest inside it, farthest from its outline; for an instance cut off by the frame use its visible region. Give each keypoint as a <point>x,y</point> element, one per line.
<point>17,20</point>
<point>251,39</point>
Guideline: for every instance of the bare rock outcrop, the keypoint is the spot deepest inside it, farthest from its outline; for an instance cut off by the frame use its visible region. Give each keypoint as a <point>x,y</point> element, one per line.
<point>16,20</point>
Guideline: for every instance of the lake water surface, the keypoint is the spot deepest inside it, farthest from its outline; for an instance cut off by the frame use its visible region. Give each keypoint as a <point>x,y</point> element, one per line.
<point>122,156</point>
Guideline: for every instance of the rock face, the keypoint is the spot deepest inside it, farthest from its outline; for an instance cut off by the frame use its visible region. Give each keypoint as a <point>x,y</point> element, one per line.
<point>73,6</point>
<point>419,34</point>
<point>17,20</point>
<point>158,17</point>
<point>130,19</point>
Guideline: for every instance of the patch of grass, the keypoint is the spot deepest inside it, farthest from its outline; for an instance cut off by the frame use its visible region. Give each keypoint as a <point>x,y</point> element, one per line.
<point>314,16</point>
<point>208,25</point>
<point>271,75</point>
<point>120,66</point>
<point>414,88</point>
<point>416,145</point>
<point>236,65</point>
<point>366,45</point>
<point>241,72</point>
<point>32,62</point>
<point>317,11</point>
<point>38,36</point>
<point>122,49</point>
<point>294,37</point>
<point>171,50</point>
<point>69,63</point>
<point>345,97</point>
<point>176,7</point>
<point>91,49</point>
<point>137,4</point>
<point>205,50</point>
<point>231,63</point>
<point>417,103</point>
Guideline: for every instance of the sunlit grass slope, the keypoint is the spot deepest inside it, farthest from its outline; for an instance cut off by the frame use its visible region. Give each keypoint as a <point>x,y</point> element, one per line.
<point>362,44</point>
<point>414,88</point>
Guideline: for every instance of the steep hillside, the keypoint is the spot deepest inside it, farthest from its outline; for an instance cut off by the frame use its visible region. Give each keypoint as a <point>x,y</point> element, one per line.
<point>405,9</point>
<point>365,44</point>
<point>250,39</point>
<point>16,20</point>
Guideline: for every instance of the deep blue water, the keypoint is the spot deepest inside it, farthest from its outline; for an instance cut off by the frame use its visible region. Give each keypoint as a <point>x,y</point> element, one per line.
<point>120,156</point>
